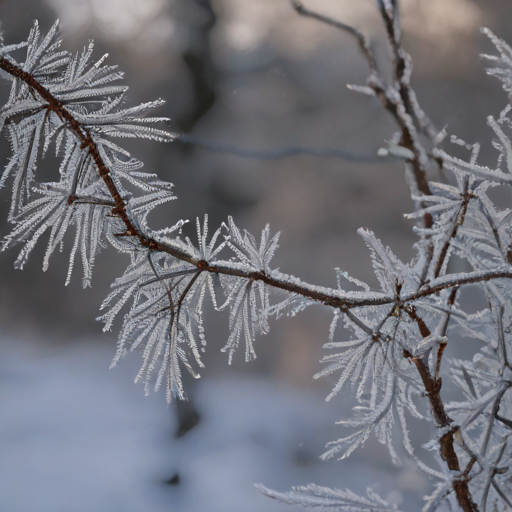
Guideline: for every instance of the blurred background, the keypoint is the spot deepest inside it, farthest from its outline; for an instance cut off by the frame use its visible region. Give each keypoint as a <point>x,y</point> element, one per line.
<point>240,77</point>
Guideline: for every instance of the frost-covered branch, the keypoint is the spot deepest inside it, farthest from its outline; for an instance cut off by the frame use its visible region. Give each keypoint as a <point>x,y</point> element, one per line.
<point>394,359</point>
<point>276,280</point>
<point>459,218</point>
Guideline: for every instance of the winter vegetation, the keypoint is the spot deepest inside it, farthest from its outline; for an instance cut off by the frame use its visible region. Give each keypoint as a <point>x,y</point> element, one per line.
<point>392,364</point>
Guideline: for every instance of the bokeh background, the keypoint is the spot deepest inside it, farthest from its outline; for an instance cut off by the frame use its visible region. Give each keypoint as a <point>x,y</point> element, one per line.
<point>243,79</point>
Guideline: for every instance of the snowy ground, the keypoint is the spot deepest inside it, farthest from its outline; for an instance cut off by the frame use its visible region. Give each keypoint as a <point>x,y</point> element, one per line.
<point>76,437</point>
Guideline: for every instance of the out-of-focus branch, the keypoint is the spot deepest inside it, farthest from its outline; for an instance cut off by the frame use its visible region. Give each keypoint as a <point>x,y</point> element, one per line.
<point>361,39</point>
<point>275,154</point>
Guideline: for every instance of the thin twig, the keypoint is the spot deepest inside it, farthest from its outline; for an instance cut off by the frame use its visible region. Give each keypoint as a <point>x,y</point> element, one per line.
<point>459,220</point>
<point>490,480</point>
<point>501,338</point>
<point>505,421</point>
<point>444,330</point>
<point>361,39</point>
<point>401,110</point>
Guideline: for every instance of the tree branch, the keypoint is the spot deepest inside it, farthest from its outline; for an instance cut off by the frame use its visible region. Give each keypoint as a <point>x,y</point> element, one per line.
<point>361,39</point>
<point>459,220</point>
<point>433,387</point>
<point>326,296</point>
<point>446,442</point>
<point>399,100</point>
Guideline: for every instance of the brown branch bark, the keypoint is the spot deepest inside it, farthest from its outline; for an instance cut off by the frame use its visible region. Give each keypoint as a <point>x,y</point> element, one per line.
<point>120,210</point>
<point>400,65</point>
<point>325,296</point>
<point>433,385</point>
<point>446,442</point>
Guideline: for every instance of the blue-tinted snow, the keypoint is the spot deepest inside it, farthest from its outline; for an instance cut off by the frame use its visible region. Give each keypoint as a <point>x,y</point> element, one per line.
<point>75,437</point>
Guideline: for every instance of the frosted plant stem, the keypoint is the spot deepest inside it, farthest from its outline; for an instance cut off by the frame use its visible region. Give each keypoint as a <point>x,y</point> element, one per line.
<point>459,220</point>
<point>433,387</point>
<point>446,442</point>
<point>325,296</point>
<point>399,100</point>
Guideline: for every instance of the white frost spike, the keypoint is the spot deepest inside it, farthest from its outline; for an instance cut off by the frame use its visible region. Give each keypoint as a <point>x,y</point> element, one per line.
<point>324,498</point>
<point>505,141</point>
<point>342,274</point>
<point>164,319</point>
<point>80,198</point>
<point>503,64</point>
<point>429,342</point>
<point>362,89</point>
<point>390,271</point>
<point>248,299</point>
<point>396,152</point>
<point>205,250</point>
<point>246,247</point>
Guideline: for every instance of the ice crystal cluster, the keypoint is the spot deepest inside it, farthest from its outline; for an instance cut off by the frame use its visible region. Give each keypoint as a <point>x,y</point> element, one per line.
<point>392,363</point>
